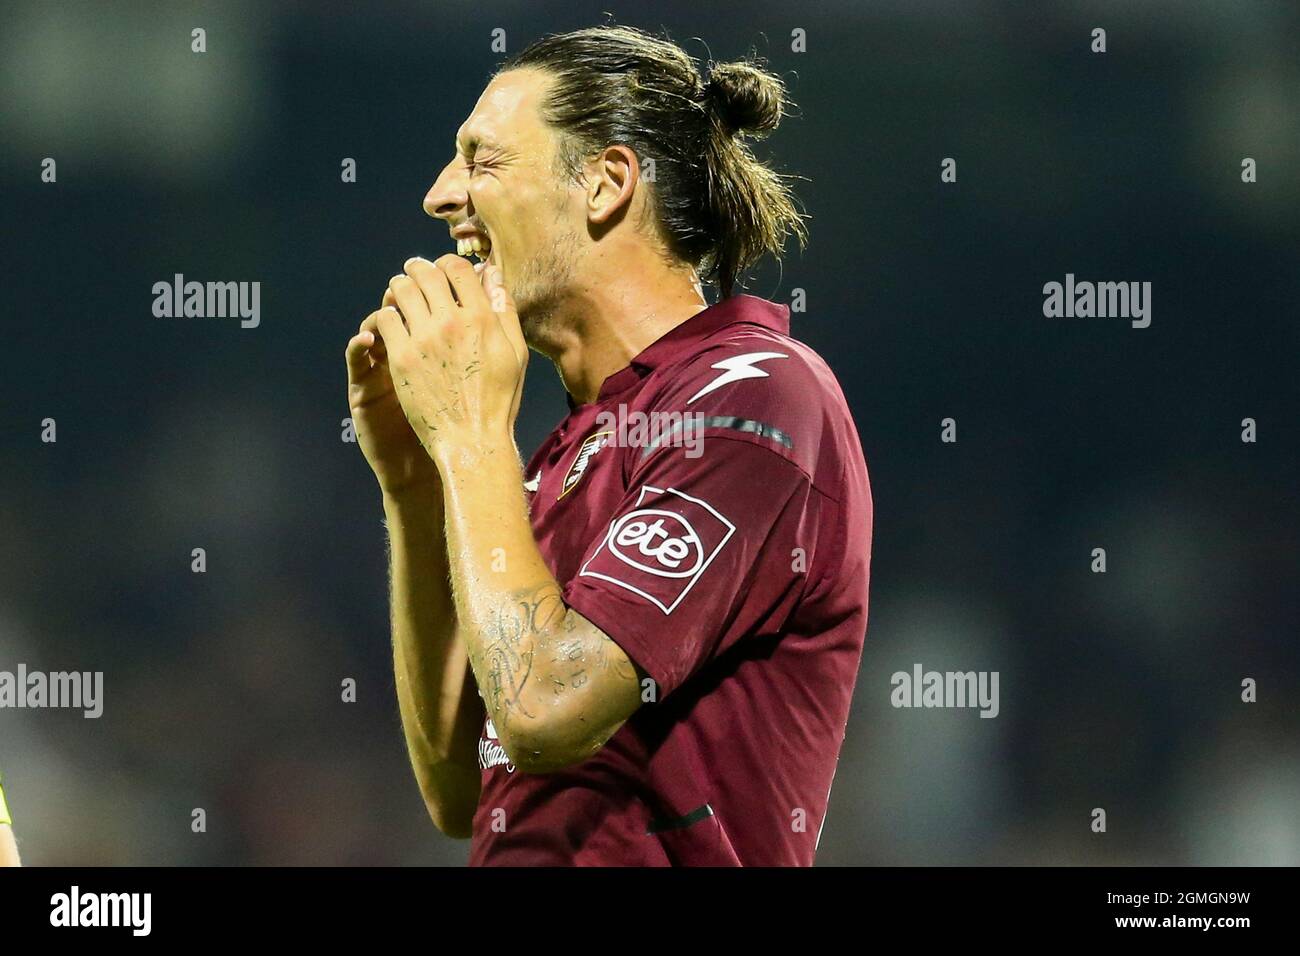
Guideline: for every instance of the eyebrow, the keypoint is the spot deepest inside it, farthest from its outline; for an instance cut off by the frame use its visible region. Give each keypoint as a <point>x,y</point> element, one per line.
<point>471,144</point>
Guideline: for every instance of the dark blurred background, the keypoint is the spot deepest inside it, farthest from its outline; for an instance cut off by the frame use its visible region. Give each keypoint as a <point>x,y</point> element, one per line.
<point>1118,690</point>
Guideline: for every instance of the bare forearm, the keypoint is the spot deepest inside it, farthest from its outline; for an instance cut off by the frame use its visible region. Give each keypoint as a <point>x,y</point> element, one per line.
<point>537,662</point>
<point>506,592</point>
<point>439,703</point>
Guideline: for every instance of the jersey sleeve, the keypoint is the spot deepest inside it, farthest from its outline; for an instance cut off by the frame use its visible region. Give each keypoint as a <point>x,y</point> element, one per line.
<point>699,553</point>
<point>710,544</point>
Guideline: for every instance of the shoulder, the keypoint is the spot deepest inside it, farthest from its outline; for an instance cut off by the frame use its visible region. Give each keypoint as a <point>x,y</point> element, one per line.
<point>756,385</point>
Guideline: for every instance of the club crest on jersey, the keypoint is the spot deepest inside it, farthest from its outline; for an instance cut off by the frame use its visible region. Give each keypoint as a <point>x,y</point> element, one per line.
<point>661,547</point>
<point>589,447</point>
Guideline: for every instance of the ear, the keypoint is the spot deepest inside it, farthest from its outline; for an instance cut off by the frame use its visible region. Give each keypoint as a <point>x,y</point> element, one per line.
<point>612,179</point>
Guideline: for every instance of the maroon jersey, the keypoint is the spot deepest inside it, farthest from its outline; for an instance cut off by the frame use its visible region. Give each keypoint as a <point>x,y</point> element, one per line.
<point>710,512</point>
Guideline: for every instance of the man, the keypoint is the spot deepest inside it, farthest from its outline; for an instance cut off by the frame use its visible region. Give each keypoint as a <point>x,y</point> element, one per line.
<point>632,651</point>
<point>8,845</point>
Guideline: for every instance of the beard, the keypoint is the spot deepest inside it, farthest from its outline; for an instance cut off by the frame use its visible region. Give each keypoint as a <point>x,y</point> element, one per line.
<point>543,285</point>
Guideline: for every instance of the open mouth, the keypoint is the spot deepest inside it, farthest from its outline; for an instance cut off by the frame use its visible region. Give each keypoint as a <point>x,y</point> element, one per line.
<point>475,245</point>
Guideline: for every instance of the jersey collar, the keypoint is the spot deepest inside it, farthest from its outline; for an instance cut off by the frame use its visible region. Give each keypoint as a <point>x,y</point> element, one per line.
<point>683,340</point>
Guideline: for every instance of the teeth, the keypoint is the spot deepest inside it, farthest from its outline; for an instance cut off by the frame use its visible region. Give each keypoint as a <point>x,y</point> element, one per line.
<point>474,245</point>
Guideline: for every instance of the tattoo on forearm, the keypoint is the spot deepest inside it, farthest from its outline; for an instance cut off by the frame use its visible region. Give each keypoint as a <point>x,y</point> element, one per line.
<point>535,622</point>
<point>505,660</point>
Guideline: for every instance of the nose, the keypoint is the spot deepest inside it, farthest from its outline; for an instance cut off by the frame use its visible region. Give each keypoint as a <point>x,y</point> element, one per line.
<point>449,195</point>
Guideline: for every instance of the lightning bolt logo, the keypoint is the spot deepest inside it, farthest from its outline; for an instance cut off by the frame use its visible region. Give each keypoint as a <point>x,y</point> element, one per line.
<point>735,368</point>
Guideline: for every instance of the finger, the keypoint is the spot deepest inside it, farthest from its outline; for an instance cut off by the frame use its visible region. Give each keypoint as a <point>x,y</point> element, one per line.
<point>357,355</point>
<point>460,276</point>
<point>368,324</point>
<point>433,284</point>
<point>410,300</point>
<point>390,325</point>
<point>376,351</point>
<point>503,304</point>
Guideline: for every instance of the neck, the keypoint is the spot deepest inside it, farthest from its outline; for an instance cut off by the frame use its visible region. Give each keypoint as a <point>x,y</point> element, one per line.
<point>603,325</point>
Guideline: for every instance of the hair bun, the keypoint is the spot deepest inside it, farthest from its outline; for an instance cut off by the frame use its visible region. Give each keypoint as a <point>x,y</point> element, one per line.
<point>745,98</point>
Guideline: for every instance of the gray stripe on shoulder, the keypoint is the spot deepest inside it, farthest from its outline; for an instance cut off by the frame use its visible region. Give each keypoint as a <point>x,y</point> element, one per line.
<point>682,822</point>
<point>746,425</point>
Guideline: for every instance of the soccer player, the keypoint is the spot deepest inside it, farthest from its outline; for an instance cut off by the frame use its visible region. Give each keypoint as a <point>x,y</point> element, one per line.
<point>8,845</point>
<point>635,650</point>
